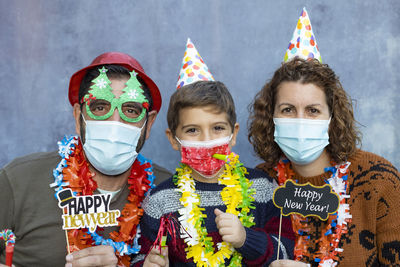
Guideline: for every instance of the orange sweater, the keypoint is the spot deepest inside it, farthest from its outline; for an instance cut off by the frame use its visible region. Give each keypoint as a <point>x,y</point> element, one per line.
<point>374,233</point>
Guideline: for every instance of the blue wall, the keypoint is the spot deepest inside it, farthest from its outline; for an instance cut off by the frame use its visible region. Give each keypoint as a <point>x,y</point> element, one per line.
<point>44,42</point>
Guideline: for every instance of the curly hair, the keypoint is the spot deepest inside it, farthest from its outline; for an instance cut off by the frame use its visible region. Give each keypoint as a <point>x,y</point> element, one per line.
<point>344,137</point>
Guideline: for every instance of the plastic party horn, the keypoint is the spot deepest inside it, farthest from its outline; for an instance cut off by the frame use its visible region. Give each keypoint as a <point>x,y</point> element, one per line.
<point>220,157</point>
<point>8,236</point>
<point>163,243</point>
<point>9,254</point>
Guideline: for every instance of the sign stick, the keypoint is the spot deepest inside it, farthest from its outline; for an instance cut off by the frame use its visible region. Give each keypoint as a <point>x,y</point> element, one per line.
<point>279,238</point>
<point>66,235</point>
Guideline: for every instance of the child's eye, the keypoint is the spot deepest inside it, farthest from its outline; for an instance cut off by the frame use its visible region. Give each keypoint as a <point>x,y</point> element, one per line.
<point>190,130</point>
<point>219,128</point>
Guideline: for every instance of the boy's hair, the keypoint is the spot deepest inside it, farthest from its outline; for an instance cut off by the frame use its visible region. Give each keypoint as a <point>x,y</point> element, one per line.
<point>201,94</point>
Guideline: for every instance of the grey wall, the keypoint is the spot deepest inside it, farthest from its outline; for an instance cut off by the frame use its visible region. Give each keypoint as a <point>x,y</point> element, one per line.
<point>44,42</point>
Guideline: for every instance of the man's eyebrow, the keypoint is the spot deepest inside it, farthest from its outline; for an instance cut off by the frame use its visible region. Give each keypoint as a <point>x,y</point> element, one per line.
<point>135,104</point>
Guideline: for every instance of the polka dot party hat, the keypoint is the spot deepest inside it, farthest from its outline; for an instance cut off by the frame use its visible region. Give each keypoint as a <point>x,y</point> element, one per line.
<point>193,67</point>
<point>303,43</point>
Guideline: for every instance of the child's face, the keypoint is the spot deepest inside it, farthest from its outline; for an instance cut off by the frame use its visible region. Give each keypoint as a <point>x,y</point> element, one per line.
<point>202,124</point>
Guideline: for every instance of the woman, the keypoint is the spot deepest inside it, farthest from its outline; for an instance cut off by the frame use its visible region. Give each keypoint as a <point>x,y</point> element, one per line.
<point>302,125</point>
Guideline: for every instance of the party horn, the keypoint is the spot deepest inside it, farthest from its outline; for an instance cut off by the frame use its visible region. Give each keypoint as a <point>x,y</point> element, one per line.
<point>220,157</point>
<point>9,254</point>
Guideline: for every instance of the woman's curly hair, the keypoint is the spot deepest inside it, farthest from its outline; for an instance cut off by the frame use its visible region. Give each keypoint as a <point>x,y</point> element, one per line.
<point>343,133</point>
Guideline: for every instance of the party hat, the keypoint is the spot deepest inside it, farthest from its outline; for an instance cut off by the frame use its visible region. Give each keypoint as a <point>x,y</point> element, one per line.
<point>193,67</point>
<point>303,43</point>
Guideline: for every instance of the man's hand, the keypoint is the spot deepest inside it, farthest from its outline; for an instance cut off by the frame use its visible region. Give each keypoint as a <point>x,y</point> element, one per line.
<point>92,256</point>
<point>288,263</point>
<point>155,259</point>
<point>230,228</point>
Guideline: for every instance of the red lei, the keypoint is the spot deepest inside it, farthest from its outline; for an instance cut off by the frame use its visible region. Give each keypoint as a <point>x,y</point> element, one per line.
<point>80,180</point>
<point>330,236</point>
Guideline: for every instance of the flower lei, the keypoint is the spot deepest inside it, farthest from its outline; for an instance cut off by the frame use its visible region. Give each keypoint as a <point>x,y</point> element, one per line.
<point>326,256</point>
<point>73,172</point>
<point>238,199</point>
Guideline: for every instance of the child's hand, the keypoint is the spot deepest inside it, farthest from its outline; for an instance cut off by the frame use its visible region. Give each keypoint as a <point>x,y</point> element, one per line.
<point>230,228</point>
<point>155,259</point>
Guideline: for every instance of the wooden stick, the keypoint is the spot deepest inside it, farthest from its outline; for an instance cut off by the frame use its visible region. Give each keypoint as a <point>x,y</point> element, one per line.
<point>279,238</point>
<point>66,234</point>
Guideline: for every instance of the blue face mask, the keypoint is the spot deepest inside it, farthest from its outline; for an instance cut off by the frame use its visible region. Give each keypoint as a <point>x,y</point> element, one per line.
<point>110,146</point>
<point>301,140</point>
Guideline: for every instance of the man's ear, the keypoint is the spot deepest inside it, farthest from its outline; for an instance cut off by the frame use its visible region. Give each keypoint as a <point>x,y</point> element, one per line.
<point>234,134</point>
<point>171,138</point>
<point>77,116</point>
<point>151,118</point>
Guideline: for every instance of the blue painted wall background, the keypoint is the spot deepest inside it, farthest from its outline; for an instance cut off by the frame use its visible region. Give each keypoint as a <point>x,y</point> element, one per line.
<point>44,42</point>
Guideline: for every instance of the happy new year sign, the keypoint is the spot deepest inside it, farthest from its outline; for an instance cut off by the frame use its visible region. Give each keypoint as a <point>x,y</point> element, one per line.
<point>306,199</point>
<point>89,211</point>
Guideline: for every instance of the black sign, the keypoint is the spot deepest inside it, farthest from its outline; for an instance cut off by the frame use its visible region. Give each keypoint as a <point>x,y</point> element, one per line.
<point>306,199</point>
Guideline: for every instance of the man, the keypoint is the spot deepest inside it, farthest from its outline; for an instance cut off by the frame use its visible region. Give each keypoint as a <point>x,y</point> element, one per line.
<point>114,105</point>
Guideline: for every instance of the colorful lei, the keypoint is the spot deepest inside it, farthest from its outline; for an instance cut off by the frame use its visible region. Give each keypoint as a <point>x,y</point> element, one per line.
<point>238,199</point>
<point>328,243</point>
<point>73,172</point>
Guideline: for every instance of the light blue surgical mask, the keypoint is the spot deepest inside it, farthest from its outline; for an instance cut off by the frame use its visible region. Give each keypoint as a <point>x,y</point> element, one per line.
<point>110,146</point>
<point>301,140</point>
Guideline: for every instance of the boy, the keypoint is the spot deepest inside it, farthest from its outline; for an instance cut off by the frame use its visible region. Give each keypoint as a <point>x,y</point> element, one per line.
<point>202,122</point>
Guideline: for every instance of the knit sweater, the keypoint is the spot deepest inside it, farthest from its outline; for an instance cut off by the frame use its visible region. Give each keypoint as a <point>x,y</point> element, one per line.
<point>260,247</point>
<point>373,238</point>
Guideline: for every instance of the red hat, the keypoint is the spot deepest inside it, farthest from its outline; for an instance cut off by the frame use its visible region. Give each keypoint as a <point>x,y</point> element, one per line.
<point>115,58</point>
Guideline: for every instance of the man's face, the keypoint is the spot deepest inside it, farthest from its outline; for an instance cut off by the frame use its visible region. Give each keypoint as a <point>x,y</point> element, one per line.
<point>101,107</point>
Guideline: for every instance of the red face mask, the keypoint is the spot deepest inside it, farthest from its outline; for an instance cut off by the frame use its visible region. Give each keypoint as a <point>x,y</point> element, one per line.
<point>198,155</point>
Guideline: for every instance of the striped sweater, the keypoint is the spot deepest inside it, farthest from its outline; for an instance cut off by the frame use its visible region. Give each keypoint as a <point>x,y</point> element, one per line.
<point>260,247</point>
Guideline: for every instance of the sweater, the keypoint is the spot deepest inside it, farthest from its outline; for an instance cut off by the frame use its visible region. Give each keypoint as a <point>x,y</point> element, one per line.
<point>373,237</point>
<point>28,207</point>
<point>260,247</point>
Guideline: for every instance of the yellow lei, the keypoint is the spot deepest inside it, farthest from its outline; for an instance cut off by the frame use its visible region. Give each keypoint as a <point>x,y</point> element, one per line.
<point>238,199</point>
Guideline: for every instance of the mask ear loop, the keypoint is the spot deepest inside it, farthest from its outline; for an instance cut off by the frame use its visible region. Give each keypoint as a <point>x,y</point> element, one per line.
<point>83,118</point>
<point>140,145</point>
<point>144,124</point>
<point>179,142</point>
<point>177,139</point>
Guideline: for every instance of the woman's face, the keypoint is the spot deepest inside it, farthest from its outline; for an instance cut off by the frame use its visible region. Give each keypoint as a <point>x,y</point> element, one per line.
<point>297,100</point>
